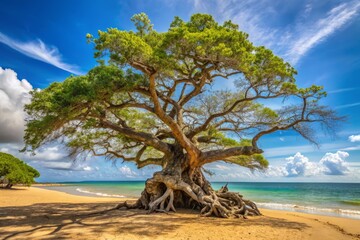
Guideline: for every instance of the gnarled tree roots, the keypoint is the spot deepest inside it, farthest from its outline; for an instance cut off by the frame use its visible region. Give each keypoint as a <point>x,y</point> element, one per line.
<point>164,192</point>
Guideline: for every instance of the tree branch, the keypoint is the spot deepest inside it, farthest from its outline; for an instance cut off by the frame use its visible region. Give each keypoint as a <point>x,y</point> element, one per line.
<point>215,155</point>
<point>204,126</point>
<point>146,138</point>
<point>139,163</point>
<point>177,131</point>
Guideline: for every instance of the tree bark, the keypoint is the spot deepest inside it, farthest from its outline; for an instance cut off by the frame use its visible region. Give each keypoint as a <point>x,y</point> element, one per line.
<point>179,185</point>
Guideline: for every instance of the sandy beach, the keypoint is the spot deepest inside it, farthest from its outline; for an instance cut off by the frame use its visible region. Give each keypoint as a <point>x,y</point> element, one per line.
<point>34,213</point>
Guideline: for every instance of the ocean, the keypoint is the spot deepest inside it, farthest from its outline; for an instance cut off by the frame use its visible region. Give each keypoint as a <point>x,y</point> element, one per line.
<point>335,199</point>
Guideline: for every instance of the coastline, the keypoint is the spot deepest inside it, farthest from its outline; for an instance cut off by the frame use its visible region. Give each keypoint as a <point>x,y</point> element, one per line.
<point>38,213</point>
<point>293,199</point>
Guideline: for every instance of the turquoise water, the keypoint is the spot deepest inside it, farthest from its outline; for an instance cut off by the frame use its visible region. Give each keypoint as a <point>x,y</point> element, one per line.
<point>338,199</point>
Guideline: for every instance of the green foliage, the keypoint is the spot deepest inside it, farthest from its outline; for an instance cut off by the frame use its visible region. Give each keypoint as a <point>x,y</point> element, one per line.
<point>61,103</point>
<point>256,161</point>
<point>15,171</point>
<point>142,23</point>
<point>131,45</point>
<point>202,36</point>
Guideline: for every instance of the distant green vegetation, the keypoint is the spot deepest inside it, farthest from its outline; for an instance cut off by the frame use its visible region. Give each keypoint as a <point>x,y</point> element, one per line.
<point>14,171</point>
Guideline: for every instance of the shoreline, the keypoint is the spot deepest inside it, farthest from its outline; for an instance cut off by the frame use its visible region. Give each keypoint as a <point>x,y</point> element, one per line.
<point>286,207</point>
<point>24,209</point>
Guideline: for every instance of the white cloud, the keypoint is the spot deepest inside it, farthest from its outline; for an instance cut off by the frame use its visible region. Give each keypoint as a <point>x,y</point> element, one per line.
<point>66,165</point>
<point>49,153</point>
<point>354,138</point>
<point>276,171</point>
<point>308,8</point>
<point>51,157</point>
<point>40,51</point>
<point>53,153</point>
<point>354,164</point>
<point>299,165</point>
<point>334,163</point>
<point>311,34</point>
<point>221,167</point>
<point>296,167</point>
<point>62,165</point>
<point>127,172</point>
<point>341,90</point>
<point>348,105</point>
<point>87,168</point>
<point>351,148</point>
<point>14,94</point>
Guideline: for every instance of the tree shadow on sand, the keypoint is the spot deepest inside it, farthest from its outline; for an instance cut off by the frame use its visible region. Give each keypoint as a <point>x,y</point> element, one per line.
<point>3,188</point>
<point>95,220</point>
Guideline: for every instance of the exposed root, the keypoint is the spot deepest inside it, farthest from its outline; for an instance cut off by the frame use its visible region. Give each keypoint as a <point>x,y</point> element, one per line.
<point>164,192</point>
<point>170,205</point>
<point>226,204</point>
<point>161,200</point>
<point>127,205</point>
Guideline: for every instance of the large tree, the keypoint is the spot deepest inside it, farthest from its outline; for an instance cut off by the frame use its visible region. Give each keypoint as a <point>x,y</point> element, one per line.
<point>151,101</point>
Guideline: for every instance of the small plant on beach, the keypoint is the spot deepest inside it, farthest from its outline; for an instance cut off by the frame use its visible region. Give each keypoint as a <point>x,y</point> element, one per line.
<point>152,101</point>
<point>14,171</point>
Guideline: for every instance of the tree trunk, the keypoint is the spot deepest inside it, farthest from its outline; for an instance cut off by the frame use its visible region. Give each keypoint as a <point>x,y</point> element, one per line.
<point>180,186</point>
<point>9,185</point>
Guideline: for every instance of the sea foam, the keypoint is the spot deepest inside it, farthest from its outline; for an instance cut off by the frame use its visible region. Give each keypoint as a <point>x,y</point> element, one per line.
<point>100,194</point>
<point>311,209</point>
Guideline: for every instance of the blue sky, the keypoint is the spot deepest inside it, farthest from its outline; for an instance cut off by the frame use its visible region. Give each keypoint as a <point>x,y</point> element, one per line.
<point>44,41</point>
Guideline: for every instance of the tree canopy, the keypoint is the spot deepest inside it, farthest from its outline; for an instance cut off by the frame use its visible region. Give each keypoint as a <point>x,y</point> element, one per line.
<point>155,93</point>
<point>14,171</point>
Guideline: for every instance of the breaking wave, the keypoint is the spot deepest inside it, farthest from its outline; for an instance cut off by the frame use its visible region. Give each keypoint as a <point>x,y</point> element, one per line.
<point>310,209</point>
<point>100,194</point>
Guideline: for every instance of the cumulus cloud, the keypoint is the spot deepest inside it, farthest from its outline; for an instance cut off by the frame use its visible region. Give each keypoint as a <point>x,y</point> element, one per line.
<point>87,168</point>
<point>296,166</point>
<point>48,153</point>
<point>40,51</point>
<point>51,153</point>
<point>276,171</point>
<point>354,138</point>
<point>14,94</point>
<point>334,163</point>
<point>299,165</point>
<point>47,157</point>
<point>55,158</point>
<point>50,157</point>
